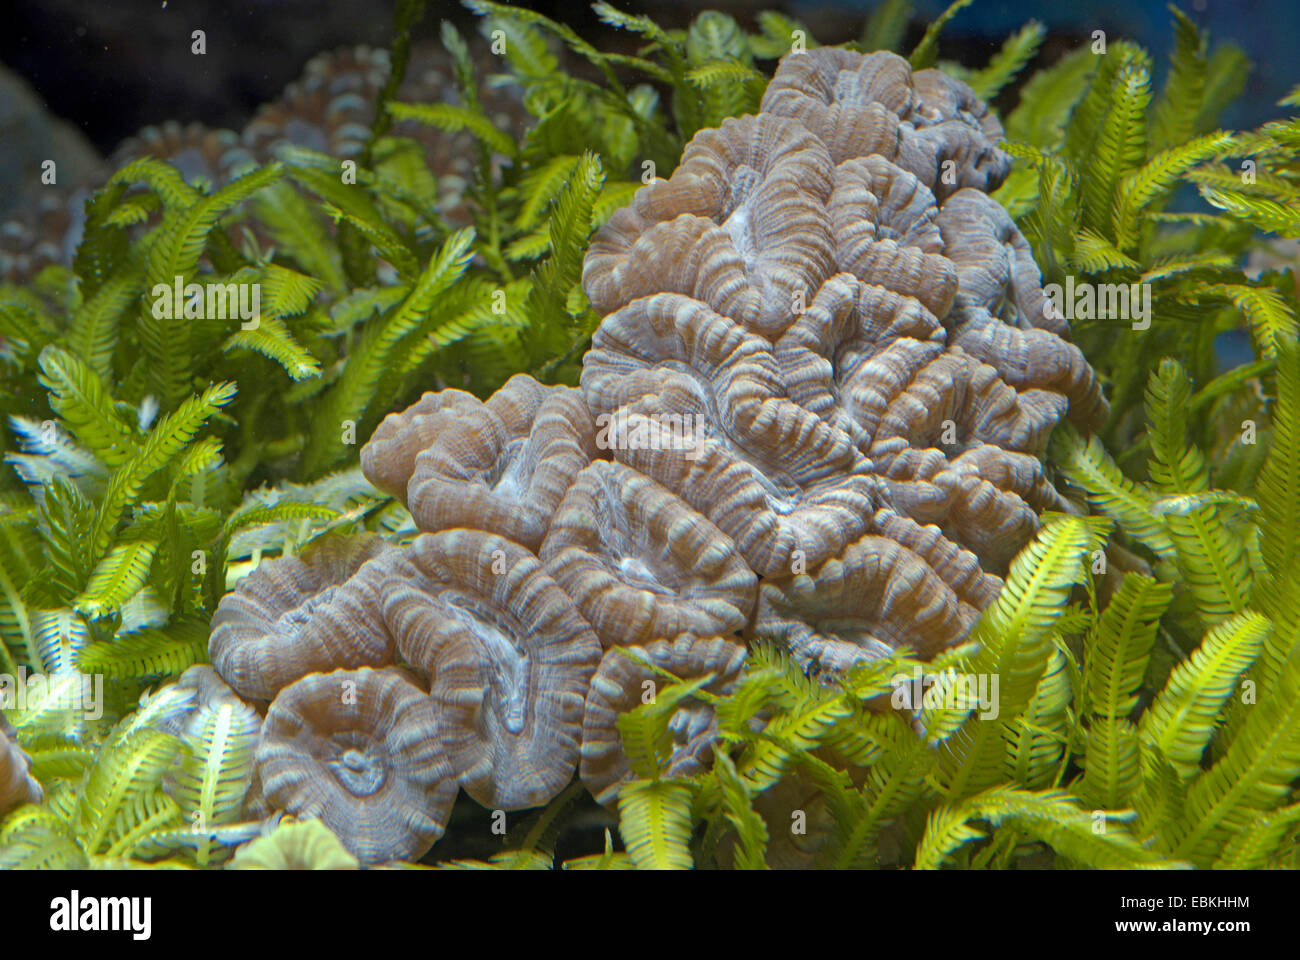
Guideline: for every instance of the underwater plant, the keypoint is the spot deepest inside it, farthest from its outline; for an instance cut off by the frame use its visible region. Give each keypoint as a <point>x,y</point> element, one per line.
<point>817,469</point>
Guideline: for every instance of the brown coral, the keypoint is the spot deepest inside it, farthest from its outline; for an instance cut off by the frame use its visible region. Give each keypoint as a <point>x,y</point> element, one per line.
<point>886,234</point>
<point>958,568</point>
<point>640,563</point>
<point>1002,315</point>
<point>878,597</point>
<point>195,150</point>
<point>940,98</point>
<point>296,615</point>
<point>1033,360</point>
<point>509,657</point>
<point>325,109</point>
<point>794,489</point>
<point>921,261</point>
<point>623,682</point>
<point>698,361</point>
<point>942,438</point>
<point>957,446</point>
<point>503,465</point>
<point>360,750</point>
<point>824,361</point>
<point>852,103</point>
<point>45,233</point>
<point>699,404</point>
<point>388,458</point>
<point>328,109</point>
<point>855,340</point>
<point>17,786</point>
<point>677,361</point>
<point>930,125</point>
<point>743,220</point>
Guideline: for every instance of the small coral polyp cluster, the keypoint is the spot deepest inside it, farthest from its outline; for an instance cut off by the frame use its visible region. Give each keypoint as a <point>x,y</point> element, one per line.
<point>814,412</point>
<point>327,109</point>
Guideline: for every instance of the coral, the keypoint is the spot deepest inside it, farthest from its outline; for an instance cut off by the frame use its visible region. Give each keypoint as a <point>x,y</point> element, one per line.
<point>198,152</point>
<point>361,751</point>
<point>641,564</point>
<point>823,362</point>
<point>45,233</point>
<point>1001,282</point>
<point>886,232</point>
<point>811,433</point>
<point>296,615</point>
<point>928,123</point>
<point>328,109</point>
<point>741,226</point>
<point>900,307</point>
<point>17,786</point>
<point>388,459</point>
<point>877,597</point>
<point>509,658</point>
<point>621,683</point>
<point>503,465</point>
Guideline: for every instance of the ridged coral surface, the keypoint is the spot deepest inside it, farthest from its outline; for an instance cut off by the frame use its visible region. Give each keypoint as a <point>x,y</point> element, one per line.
<point>358,749</point>
<point>814,411</point>
<point>855,335</point>
<point>17,786</point>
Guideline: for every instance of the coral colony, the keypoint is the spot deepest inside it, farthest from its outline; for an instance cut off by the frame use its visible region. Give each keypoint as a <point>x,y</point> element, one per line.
<point>817,463</point>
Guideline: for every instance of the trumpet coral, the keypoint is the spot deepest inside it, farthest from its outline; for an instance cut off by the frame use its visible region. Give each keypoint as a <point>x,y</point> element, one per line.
<point>509,658</point>
<point>622,683</point>
<point>930,124</point>
<point>922,347</point>
<point>360,750</point>
<point>641,564</point>
<point>503,465</point>
<point>824,362</point>
<point>296,615</point>
<point>17,786</point>
<point>878,597</point>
